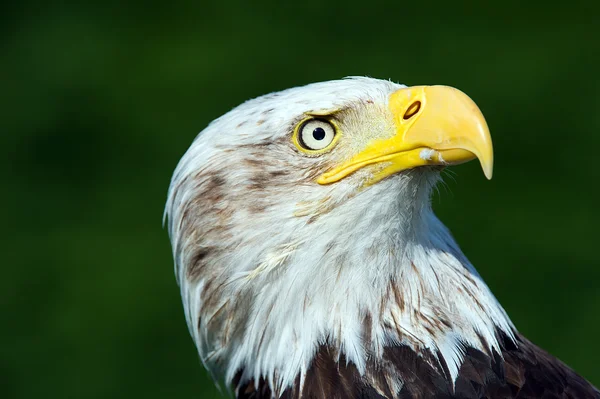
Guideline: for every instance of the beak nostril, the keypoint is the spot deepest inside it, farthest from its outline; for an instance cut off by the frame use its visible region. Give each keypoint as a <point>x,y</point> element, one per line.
<point>412,110</point>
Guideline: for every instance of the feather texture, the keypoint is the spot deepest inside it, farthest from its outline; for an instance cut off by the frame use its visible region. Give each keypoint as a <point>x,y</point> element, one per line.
<point>298,290</point>
<point>520,370</point>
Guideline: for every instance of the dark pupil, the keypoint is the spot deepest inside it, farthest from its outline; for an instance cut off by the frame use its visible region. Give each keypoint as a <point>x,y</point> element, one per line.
<point>319,133</point>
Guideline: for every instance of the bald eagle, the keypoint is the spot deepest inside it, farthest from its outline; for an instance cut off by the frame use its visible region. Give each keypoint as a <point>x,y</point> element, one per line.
<point>311,264</point>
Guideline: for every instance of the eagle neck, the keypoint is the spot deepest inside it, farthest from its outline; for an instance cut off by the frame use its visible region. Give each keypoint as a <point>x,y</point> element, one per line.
<point>395,279</point>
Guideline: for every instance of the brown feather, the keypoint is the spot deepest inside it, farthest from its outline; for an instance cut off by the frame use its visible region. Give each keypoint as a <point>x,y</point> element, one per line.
<point>521,371</point>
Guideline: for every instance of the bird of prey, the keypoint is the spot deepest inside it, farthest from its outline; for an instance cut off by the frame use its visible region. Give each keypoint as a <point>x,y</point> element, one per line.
<point>311,264</point>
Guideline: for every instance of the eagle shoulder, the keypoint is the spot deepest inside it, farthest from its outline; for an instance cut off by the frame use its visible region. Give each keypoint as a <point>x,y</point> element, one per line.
<point>522,370</point>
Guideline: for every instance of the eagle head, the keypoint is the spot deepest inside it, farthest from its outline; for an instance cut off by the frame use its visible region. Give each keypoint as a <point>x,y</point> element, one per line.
<point>301,223</point>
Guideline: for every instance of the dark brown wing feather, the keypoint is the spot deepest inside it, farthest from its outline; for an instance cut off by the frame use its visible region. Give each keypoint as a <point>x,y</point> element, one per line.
<point>531,372</point>
<point>521,371</point>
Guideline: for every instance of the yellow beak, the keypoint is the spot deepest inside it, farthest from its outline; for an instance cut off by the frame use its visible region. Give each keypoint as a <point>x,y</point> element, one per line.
<point>434,125</point>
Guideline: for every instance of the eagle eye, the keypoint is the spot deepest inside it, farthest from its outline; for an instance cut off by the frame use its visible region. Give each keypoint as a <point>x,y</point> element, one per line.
<point>315,136</point>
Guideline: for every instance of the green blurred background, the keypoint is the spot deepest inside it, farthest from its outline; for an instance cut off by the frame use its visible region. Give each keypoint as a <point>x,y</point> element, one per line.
<point>100,100</point>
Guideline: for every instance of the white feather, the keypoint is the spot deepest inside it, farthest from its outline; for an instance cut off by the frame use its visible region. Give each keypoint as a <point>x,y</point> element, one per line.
<point>306,282</point>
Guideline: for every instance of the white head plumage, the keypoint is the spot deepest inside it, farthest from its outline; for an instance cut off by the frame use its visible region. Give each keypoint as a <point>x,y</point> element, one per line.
<point>274,265</point>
